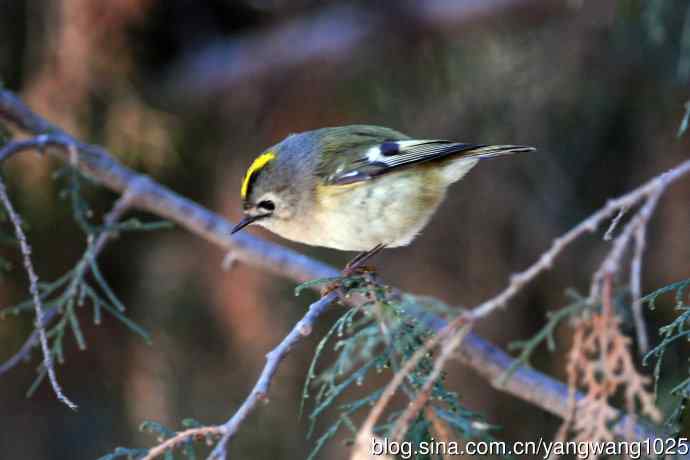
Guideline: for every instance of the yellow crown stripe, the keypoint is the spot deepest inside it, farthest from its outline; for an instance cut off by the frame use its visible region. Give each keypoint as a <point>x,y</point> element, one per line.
<point>255,167</point>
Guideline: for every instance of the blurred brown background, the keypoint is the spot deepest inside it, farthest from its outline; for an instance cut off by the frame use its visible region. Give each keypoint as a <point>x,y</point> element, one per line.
<point>189,92</point>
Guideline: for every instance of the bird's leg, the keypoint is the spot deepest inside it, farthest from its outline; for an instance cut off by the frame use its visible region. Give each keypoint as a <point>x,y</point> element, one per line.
<point>357,264</point>
<point>353,267</point>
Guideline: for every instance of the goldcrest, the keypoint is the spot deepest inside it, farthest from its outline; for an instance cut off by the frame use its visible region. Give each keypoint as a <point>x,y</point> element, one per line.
<point>355,187</point>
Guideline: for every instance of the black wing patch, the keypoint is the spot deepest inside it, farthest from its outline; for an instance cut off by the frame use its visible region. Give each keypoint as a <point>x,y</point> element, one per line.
<point>391,155</point>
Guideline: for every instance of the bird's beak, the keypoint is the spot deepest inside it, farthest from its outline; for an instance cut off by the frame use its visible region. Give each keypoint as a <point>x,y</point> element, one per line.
<point>246,221</point>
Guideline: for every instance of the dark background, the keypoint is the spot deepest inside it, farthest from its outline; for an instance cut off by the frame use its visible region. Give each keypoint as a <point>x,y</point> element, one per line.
<point>189,92</point>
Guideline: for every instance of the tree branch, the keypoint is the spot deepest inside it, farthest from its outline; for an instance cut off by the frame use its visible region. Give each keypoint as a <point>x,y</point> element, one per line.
<point>95,247</point>
<point>649,192</point>
<point>273,359</point>
<point>488,360</point>
<point>402,425</point>
<point>181,438</point>
<point>25,350</point>
<point>48,364</point>
<point>160,200</point>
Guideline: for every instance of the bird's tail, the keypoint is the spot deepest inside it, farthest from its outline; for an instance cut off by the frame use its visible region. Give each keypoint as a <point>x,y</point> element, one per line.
<point>470,155</point>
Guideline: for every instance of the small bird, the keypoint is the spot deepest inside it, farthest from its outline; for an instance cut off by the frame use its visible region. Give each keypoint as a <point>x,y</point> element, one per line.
<point>355,188</point>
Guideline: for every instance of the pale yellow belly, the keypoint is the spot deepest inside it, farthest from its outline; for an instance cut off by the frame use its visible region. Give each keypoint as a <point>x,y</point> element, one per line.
<point>386,210</point>
<point>391,209</point>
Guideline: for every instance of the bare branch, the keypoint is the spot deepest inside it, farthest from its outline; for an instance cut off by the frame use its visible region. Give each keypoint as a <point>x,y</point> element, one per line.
<point>650,191</point>
<point>611,264</point>
<point>38,304</point>
<point>273,359</point>
<point>25,350</point>
<point>93,250</point>
<point>204,432</point>
<point>20,146</point>
<point>367,428</point>
<point>526,383</point>
<point>608,236</point>
<point>403,422</point>
<point>636,289</point>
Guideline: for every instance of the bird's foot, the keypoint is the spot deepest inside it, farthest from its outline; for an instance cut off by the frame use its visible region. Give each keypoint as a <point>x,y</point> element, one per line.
<point>357,264</point>
<point>359,270</point>
<point>330,287</point>
<point>352,277</point>
<point>354,269</point>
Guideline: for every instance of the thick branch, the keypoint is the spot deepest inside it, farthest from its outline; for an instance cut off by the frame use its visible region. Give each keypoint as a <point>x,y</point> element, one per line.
<point>161,201</point>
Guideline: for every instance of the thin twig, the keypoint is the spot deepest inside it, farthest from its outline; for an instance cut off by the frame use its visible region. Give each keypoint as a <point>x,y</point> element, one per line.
<point>94,248</point>
<point>635,230</point>
<point>612,262</point>
<point>15,147</point>
<point>33,288</point>
<point>608,236</point>
<point>375,413</point>
<point>181,438</point>
<point>652,190</point>
<point>491,363</point>
<point>636,289</point>
<point>439,430</point>
<point>530,385</point>
<point>25,350</point>
<point>411,411</point>
<point>273,359</point>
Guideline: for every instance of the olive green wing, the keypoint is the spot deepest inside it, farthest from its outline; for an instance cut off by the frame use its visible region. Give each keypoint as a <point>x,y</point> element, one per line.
<point>376,151</point>
<point>344,148</point>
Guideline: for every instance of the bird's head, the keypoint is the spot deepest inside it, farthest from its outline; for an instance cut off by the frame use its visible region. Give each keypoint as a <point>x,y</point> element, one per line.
<point>274,186</point>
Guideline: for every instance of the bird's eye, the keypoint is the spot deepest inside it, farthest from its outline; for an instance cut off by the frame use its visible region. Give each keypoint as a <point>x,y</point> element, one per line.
<point>267,205</point>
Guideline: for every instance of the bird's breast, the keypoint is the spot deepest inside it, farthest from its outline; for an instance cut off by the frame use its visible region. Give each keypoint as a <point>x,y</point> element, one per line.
<point>390,209</point>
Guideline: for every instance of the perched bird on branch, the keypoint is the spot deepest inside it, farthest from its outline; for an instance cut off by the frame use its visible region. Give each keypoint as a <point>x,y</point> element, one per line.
<point>355,188</point>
